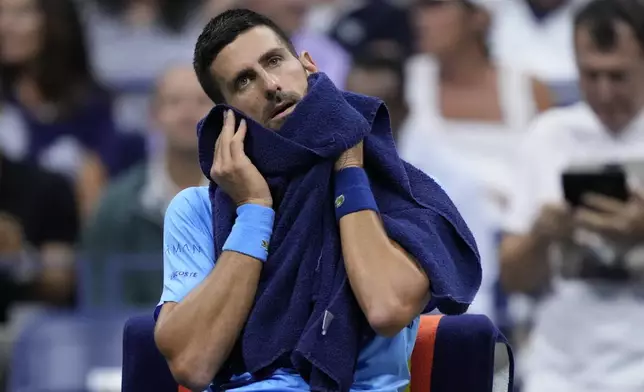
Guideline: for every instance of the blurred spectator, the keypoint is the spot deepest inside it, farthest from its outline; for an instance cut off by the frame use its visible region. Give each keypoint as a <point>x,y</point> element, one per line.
<point>378,25</point>
<point>46,75</point>
<point>12,129</point>
<point>454,89</point>
<point>291,15</point>
<point>325,13</point>
<point>129,220</point>
<point>587,260</point>
<point>535,36</point>
<point>132,42</point>
<point>38,228</point>
<point>380,77</point>
<point>216,7</point>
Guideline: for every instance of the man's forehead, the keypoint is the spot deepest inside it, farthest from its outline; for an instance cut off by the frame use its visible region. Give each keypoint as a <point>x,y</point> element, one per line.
<point>245,51</point>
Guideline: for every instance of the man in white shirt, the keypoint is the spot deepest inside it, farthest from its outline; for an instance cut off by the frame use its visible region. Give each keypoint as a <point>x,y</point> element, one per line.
<point>535,36</point>
<point>587,334</point>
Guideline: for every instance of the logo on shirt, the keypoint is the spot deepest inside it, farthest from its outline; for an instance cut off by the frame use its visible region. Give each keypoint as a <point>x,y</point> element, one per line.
<point>182,274</point>
<point>339,201</point>
<point>183,248</point>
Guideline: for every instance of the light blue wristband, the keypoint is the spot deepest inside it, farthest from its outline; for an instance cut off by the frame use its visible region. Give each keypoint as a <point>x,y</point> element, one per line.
<point>251,233</point>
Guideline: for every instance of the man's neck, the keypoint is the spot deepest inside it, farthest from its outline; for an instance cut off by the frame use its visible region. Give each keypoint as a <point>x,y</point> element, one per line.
<point>635,122</point>
<point>461,71</point>
<point>464,67</point>
<point>182,168</point>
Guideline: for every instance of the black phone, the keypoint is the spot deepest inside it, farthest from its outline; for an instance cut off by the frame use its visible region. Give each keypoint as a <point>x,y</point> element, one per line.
<point>610,181</point>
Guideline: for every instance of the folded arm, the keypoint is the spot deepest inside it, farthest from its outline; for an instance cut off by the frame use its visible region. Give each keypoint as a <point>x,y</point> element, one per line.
<point>197,334</point>
<point>391,288</point>
<point>205,304</point>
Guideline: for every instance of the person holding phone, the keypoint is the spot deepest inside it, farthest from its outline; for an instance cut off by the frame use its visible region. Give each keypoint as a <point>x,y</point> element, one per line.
<point>582,256</point>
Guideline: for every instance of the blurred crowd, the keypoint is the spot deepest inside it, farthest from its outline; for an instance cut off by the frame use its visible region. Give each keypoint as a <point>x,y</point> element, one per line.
<point>496,99</point>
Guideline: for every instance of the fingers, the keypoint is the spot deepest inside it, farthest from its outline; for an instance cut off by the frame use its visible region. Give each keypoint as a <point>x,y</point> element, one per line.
<point>217,158</point>
<point>237,142</point>
<point>607,224</point>
<point>604,203</point>
<point>638,196</point>
<point>556,213</point>
<point>553,208</point>
<point>225,137</point>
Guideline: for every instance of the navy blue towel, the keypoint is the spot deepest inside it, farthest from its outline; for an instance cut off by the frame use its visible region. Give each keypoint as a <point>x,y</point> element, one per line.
<point>304,277</point>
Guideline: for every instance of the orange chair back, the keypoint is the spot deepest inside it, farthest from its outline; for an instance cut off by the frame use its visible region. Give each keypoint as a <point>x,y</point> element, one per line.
<point>422,358</point>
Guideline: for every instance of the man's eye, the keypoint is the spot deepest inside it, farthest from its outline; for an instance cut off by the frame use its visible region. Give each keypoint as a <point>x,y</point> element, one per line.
<point>273,61</point>
<point>243,82</point>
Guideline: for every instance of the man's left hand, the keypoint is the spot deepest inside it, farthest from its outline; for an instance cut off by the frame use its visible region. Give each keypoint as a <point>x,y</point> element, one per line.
<point>622,222</point>
<point>353,157</point>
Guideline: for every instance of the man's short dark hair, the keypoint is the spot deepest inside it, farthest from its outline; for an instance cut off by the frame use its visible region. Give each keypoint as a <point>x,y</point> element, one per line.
<point>221,31</point>
<point>600,17</point>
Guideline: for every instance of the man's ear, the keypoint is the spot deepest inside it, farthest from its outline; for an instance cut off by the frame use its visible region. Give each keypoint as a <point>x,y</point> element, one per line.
<point>308,63</point>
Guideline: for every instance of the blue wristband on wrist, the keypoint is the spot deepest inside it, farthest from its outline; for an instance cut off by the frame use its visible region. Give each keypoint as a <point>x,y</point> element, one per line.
<point>251,233</point>
<point>353,192</point>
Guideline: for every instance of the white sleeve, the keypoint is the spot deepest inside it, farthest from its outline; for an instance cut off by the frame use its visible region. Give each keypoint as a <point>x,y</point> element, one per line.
<point>523,201</point>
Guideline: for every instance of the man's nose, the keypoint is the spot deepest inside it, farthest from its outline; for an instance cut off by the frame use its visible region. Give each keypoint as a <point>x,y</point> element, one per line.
<point>271,85</point>
<point>605,89</point>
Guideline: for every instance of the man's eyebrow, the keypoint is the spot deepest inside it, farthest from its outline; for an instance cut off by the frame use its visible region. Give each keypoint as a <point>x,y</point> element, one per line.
<point>270,53</point>
<point>263,59</point>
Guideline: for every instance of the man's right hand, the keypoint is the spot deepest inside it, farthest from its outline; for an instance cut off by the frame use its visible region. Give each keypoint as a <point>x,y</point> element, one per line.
<point>233,171</point>
<point>554,223</point>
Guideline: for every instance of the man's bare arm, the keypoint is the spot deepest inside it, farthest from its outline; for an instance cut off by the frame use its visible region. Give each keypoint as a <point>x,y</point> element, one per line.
<point>197,335</point>
<point>524,263</point>
<point>524,257</point>
<point>389,285</point>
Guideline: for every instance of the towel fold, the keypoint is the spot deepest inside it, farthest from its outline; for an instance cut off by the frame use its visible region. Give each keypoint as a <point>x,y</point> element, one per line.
<point>304,283</point>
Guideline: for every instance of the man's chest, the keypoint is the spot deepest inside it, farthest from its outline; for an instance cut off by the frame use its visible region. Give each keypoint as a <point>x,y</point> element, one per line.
<point>574,152</point>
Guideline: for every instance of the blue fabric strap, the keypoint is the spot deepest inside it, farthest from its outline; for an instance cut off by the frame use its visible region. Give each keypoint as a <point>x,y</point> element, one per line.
<point>251,233</point>
<point>353,192</point>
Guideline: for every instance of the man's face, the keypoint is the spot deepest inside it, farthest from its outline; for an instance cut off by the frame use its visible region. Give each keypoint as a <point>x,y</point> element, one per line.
<point>257,74</point>
<point>612,80</point>
<point>179,104</point>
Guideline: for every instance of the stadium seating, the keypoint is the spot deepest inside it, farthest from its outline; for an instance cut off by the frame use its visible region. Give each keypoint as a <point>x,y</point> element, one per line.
<point>57,351</point>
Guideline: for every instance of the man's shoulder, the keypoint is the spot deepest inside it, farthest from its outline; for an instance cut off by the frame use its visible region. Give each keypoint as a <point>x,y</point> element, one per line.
<point>195,197</point>
<point>191,205</point>
<point>564,121</point>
